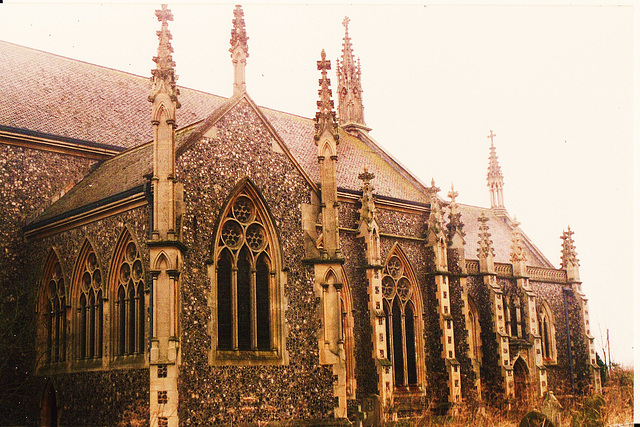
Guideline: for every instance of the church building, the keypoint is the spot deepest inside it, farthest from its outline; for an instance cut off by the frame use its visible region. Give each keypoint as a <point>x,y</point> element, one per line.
<point>175,257</point>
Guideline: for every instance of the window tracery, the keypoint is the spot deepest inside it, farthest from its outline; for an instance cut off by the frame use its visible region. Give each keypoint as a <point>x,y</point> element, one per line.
<point>547,333</point>
<point>53,308</point>
<point>87,295</point>
<point>401,323</point>
<point>128,293</point>
<point>246,283</point>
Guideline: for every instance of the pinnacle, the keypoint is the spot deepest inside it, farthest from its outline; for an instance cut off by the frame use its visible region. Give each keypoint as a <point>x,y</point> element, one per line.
<point>239,32</point>
<point>326,116</point>
<point>163,76</point>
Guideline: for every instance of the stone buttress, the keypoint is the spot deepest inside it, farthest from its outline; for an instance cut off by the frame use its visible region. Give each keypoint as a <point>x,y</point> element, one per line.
<point>165,248</point>
<point>436,241</point>
<point>369,231</point>
<point>571,265</point>
<point>532,350</point>
<point>495,300</point>
<point>328,265</point>
<point>458,284</point>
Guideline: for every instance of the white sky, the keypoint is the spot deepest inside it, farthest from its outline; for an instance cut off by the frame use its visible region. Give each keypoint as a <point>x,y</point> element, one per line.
<point>554,83</point>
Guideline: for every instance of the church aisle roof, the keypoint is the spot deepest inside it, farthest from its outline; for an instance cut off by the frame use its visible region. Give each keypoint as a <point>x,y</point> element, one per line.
<point>74,99</point>
<point>55,95</point>
<point>500,230</point>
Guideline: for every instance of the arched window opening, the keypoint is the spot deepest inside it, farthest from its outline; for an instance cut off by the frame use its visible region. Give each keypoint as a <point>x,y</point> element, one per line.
<point>246,290</point>
<point>87,292</point>
<point>53,309</point>
<point>547,333</point>
<point>128,290</point>
<point>475,343</point>
<point>400,321</point>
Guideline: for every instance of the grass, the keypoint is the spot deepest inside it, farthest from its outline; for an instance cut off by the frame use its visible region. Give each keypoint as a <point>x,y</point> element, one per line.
<point>614,408</point>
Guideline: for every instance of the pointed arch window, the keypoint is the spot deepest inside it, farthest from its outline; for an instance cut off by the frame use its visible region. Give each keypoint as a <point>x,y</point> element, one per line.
<point>87,300</point>
<point>53,312</point>
<point>547,333</point>
<point>246,283</point>
<point>128,292</point>
<point>475,342</point>
<point>402,308</point>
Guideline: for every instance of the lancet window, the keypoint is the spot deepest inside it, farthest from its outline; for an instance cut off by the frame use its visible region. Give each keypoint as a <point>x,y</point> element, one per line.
<point>401,302</point>
<point>547,333</point>
<point>53,310</point>
<point>128,292</point>
<point>246,280</point>
<point>87,295</point>
<point>475,342</point>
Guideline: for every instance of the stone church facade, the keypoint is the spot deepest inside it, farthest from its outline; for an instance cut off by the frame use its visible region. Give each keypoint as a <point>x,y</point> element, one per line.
<point>198,260</point>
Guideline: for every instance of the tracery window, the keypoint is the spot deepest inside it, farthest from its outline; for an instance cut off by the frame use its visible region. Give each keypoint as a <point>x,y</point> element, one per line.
<point>128,292</point>
<point>547,332</point>
<point>87,296</point>
<point>246,281</point>
<point>401,302</point>
<point>53,310</point>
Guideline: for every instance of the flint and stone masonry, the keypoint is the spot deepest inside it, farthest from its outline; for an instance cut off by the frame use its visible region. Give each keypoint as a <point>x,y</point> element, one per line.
<point>205,260</point>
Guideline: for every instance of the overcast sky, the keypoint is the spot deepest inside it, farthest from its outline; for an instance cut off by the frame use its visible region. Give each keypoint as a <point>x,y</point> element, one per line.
<point>554,83</point>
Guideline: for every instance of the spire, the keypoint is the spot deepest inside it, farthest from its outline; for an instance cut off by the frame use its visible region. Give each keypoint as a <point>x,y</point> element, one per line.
<point>239,50</point>
<point>518,255</point>
<point>494,180</point>
<point>569,261</point>
<point>163,78</point>
<point>350,107</point>
<point>485,245</point>
<point>368,209</point>
<point>326,116</point>
<point>455,225</point>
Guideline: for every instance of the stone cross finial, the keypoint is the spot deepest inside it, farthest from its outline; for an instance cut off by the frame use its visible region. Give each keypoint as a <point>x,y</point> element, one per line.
<point>452,194</point>
<point>345,22</point>
<point>239,50</point>
<point>325,117</point>
<point>491,135</point>
<point>163,78</point>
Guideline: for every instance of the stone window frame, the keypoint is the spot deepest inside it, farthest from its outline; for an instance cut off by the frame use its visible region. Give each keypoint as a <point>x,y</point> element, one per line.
<point>414,297</point>
<point>475,333</point>
<point>270,248</point>
<point>116,282</point>
<point>547,331</point>
<point>52,337</point>
<point>88,321</point>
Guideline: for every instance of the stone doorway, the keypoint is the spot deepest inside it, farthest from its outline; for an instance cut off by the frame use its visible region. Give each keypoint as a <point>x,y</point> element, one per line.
<point>521,380</point>
<point>49,412</point>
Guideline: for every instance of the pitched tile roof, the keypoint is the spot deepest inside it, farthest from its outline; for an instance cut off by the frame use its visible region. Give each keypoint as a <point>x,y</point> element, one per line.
<point>500,230</point>
<point>65,97</point>
<point>61,96</point>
